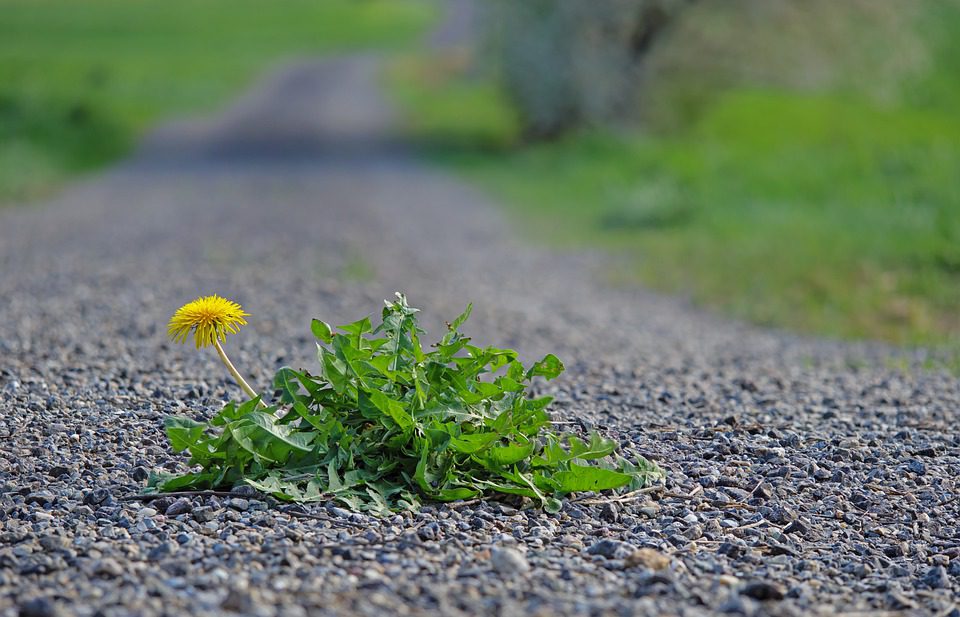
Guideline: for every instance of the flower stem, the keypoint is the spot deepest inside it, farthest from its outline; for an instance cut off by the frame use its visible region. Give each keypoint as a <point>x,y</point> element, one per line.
<point>233,371</point>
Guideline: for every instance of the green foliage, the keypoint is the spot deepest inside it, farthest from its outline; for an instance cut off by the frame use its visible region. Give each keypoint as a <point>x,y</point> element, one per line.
<point>825,212</point>
<point>386,424</point>
<point>493,125</point>
<point>80,81</point>
<point>569,64</point>
<point>844,215</point>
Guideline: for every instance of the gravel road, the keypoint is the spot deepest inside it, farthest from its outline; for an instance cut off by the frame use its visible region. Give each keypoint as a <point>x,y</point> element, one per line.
<point>804,477</point>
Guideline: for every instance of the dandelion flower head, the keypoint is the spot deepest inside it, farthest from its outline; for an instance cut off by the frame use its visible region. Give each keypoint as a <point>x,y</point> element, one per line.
<point>210,318</point>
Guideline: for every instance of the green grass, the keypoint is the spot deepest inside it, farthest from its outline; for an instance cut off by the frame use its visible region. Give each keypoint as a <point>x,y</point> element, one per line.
<point>80,81</point>
<point>823,212</point>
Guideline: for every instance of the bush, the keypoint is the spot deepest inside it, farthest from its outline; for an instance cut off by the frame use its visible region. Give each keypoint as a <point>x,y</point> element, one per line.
<point>570,62</point>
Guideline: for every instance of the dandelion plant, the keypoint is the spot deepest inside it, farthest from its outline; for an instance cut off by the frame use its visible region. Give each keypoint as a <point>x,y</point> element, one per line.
<point>384,424</point>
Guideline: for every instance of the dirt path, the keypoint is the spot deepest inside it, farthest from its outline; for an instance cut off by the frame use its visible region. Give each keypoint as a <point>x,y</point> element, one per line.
<point>794,469</point>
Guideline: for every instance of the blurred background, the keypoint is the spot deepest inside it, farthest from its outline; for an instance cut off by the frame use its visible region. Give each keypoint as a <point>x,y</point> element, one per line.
<point>795,163</point>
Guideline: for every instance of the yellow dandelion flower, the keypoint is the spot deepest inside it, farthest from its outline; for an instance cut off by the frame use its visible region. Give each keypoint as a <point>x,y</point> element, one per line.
<point>210,319</point>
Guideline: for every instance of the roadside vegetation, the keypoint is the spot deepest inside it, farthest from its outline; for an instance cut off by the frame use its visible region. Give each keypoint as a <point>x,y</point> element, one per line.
<point>80,81</point>
<point>389,423</point>
<point>793,175</point>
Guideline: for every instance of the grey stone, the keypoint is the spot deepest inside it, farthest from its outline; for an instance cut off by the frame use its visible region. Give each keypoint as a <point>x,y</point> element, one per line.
<point>39,607</point>
<point>238,503</point>
<point>508,561</point>
<point>763,591</point>
<point>204,514</point>
<point>178,507</point>
<point>611,549</point>
<point>936,578</point>
<point>107,567</point>
<point>162,551</point>
<point>97,497</point>
<point>41,498</point>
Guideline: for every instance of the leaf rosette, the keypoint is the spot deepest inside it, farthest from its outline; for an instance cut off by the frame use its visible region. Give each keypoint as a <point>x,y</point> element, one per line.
<point>386,424</point>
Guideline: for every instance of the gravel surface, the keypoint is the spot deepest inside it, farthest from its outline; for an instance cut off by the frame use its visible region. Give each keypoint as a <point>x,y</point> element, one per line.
<point>804,477</point>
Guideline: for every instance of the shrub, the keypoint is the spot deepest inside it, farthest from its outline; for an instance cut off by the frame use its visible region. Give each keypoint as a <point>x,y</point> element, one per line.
<point>570,62</point>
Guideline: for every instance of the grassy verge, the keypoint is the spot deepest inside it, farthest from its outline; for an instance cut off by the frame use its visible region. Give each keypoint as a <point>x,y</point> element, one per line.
<point>821,212</point>
<point>81,80</point>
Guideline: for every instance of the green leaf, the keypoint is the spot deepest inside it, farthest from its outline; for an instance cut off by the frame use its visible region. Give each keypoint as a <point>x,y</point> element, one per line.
<point>597,448</point>
<point>387,406</point>
<point>298,440</point>
<point>468,444</point>
<point>334,371</point>
<point>162,481</point>
<point>312,388</point>
<point>334,483</point>
<point>552,505</point>
<point>321,330</point>
<point>507,487</point>
<point>189,480</point>
<point>454,326</point>
<point>549,367</point>
<point>358,328</point>
<point>424,477</point>
<point>287,382</point>
<point>382,364</point>
<point>588,478</point>
<point>505,384</point>
<point>183,433</point>
<point>456,494</point>
<point>503,456</point>
<point>259,434</point>
<point>353,359</point>
<point>644,472</point>
<point>286,490</point>
<point>553,454</point>
<point>313,420</point>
